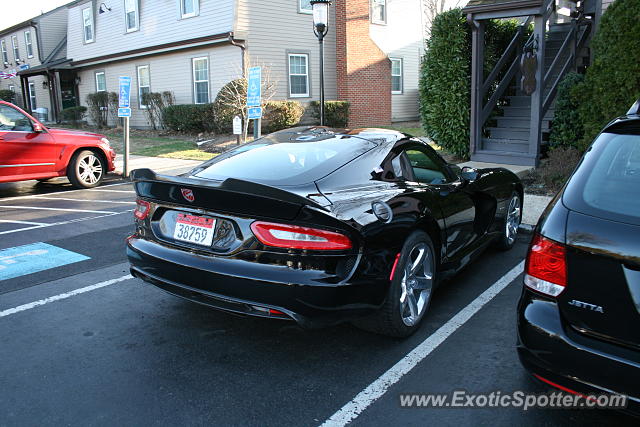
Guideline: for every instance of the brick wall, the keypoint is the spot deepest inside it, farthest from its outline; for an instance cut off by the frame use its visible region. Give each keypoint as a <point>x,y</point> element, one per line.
<point>363,70</point>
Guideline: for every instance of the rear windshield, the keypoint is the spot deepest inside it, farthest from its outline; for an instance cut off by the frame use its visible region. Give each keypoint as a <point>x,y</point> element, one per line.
<point>607,184</point>
<point>297,162</point>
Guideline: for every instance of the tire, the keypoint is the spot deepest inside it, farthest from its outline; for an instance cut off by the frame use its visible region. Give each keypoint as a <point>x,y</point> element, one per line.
<point>86,169</point>
<point>511,223</point>
<point>396,318</point>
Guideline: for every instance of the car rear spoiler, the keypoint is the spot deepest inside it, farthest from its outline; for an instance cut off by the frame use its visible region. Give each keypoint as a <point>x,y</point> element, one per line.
<point>231,195</point>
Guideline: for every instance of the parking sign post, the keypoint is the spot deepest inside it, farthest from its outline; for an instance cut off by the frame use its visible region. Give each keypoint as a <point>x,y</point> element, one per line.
<point>254,99</point>
<point>124,110</point>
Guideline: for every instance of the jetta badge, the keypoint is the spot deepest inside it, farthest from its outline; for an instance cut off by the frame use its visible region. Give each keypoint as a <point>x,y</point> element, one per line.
<point>188,195</point>
<point>582,304</point>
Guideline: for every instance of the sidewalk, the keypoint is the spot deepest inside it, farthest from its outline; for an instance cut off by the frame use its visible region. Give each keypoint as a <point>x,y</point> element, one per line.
<point>158,164</point>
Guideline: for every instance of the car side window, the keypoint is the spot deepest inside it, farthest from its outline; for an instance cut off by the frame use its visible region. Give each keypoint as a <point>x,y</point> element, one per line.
<point>425,169</point>
<point>13,120</point>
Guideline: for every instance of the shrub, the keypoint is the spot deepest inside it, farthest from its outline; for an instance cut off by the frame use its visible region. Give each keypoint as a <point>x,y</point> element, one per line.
<point>612,82</point>
<point>114,103</point>
<point>445,77</point>
<point>187,118</point>
<point>73,114</point>
<point>156,103</point>
<point>98,108</point>
<point>281,115</point>
<point>229,102</point>
<point>567,129</point>
<point>556,169</point>
<point>8,95</point>
<point>336,113</point>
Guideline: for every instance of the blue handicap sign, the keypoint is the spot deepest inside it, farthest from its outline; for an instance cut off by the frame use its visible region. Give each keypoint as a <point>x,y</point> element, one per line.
<point>254,113</point>
<point>254,90</point>
<point>124,112</point>
<point>21,260</point>
<point>124,92</point>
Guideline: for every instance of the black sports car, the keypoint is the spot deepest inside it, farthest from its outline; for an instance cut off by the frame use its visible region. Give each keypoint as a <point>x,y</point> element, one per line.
<point>320,226</point>
<point>579,314</point>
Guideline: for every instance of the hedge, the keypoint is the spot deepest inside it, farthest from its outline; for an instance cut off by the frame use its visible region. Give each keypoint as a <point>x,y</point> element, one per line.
<point>73,114</point>
<point>567,129</point>
<point>7,95</point>
<point>336,113</point>
<point>281,115</point>
<point>192,118</point>
<point>445,77</point>
<point>612,82</point>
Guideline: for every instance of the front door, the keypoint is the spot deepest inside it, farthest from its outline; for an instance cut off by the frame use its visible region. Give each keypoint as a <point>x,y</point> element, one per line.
<point>24,154</point>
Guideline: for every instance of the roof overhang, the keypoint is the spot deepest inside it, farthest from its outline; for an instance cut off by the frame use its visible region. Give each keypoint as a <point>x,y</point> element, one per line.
<point>494,9</point>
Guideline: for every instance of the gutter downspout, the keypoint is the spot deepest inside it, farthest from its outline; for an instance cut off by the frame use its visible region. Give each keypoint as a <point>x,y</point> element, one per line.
<point>243,48</point>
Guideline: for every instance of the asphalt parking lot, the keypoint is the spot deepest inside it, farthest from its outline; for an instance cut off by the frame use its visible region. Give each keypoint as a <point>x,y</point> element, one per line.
<point>83,343</point>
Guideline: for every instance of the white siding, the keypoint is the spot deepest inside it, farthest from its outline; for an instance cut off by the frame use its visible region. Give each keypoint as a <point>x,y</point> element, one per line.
<point>605,4</point>
<point>402,37</point>
<point>160,23</point>
<point>53,28</point>
<point>168,72</point>
<point>276,28</point>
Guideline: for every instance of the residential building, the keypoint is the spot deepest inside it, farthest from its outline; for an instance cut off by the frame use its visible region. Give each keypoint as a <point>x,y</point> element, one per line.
<point>24,48</point>
<point>193,47</point>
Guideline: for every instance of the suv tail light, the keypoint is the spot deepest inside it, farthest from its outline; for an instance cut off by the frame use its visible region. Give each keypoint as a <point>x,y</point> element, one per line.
<point>546,268</point>
<point>296,237</point>
<point>142,209</point>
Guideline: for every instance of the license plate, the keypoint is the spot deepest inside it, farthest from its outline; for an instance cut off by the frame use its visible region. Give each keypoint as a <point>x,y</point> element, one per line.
<point>194,229</point>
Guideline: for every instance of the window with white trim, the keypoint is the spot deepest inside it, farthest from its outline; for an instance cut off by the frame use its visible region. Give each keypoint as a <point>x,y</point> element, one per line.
<point>101,82</point>
<point>200,80</point>
<point>298,75</point>
<point>32,96</point>
<point>396,76</point>
<point>16,49</point>
<point>87,24</point>
<point>12,88</point>
<point>189,8</point>
<point>5,56</point>
<point>304,6</point>
<point>379,11</point>
<point>131,15</point>
<point>28,43</point>
<point>144,84</point>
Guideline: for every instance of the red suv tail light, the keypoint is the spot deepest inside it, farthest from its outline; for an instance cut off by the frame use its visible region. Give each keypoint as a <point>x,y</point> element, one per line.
<point>142,209</point>
<point>296,237</point>
<point>546,268</point>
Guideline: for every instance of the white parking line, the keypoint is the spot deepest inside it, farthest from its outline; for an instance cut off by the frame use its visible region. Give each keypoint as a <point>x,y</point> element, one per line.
<point>379,387</point>
<point>71,221</point>
<point>86,200</point>
<point>65,295</point>
<point>15,221</point>
<point>55,209</point>
<point>32,196</point>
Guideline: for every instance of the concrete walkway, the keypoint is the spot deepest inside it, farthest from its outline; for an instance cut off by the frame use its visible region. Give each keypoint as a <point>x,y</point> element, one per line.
<point>158,164</point>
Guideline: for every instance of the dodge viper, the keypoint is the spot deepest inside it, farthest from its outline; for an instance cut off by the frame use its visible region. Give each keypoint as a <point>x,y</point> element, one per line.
<point>320,226</point>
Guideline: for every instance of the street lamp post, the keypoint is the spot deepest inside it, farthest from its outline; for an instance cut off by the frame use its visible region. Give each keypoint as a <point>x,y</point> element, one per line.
<point>321,28</point>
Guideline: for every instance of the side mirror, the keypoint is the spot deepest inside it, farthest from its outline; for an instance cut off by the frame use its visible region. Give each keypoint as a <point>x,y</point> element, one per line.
<point>469,174</point>
<point>37,127</point>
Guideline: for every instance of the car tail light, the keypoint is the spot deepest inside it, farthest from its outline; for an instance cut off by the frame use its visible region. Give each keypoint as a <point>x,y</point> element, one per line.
<point>296,237</point>
<point>142,209</point>
<point>546,269</point>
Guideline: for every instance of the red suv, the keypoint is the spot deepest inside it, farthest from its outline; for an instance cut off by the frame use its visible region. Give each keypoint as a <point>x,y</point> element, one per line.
<point>29,150</point>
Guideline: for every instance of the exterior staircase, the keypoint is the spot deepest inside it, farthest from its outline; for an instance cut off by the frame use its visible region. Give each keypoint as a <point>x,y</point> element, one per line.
<point>509,132</point>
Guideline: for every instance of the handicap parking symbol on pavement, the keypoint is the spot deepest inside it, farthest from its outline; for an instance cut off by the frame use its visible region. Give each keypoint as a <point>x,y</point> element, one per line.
<point>21,260</point>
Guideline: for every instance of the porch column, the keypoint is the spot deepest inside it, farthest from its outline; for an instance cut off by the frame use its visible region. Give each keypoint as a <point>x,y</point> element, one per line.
<point>477,81</point>
<point>537,97</point>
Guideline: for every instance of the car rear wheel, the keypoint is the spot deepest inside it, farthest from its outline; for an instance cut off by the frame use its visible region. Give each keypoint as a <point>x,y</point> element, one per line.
<point>86,169</point>
<point>410,290</point>
<point>511,223</point>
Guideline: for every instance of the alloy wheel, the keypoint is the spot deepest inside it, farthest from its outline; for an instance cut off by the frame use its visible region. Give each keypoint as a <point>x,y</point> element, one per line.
<point>89,169</point>
<point>513,219</point>
<point>417,284</point>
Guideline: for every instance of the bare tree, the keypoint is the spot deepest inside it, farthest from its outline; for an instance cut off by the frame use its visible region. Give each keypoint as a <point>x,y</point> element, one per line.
<point>232,98</point>
<point>433,8</point>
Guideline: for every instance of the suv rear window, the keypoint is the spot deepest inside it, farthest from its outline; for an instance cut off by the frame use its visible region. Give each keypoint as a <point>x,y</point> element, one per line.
<point>297,162</point>
<point>607,183</point>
